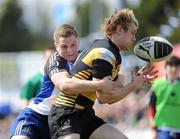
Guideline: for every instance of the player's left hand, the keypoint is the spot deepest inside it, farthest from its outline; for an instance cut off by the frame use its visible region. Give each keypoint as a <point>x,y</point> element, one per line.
<point>148,72</point>
<point>146,68</point>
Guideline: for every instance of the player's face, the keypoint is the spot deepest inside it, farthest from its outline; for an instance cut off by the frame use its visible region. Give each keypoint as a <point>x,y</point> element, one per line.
<point>128,38</point>
<point>172,72</point>
<point>68,47</point>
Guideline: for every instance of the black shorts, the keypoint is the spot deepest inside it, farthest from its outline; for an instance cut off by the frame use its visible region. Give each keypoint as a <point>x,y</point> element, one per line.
<point>64,121</point>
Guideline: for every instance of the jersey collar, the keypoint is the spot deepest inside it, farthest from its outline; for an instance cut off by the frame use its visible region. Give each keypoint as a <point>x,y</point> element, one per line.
<point>113,45</point>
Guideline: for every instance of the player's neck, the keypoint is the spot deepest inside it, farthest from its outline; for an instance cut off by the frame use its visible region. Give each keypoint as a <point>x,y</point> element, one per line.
<point>114,40</point>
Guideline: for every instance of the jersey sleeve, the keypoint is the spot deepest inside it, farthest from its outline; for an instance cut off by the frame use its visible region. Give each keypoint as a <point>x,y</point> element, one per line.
<point>101,68</point>
<point>55,64</point>
<point>103,62</point>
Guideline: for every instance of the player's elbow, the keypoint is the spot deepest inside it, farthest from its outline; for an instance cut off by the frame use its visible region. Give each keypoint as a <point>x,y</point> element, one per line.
<point>62,86</point>
<point>65,87</point>
<point>111,102</point>
<point>105,101</point>
<point>100,101</point>
<point>102,98</point>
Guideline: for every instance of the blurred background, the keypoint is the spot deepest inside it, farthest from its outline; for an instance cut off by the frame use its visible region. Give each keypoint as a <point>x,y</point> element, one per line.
<point>26,28</point>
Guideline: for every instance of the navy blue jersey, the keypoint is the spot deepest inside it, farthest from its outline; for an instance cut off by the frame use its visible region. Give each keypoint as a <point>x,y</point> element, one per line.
<point>43,101</point>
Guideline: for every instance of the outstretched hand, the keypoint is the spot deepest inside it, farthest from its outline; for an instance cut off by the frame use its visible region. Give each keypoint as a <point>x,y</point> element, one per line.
<point>145,75</point>
<point>148,73</point>
<point>146,68</point>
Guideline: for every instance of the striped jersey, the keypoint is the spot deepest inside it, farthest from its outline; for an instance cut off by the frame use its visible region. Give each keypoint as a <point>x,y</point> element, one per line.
<point>100,59</point>
<point>43,101</point>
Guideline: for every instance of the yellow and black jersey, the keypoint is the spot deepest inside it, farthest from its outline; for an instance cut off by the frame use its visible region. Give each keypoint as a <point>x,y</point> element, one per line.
<point>99,60</point>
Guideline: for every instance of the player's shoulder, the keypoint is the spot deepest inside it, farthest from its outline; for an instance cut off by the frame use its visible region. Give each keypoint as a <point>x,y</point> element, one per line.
<point>56,59</point>
<point>54,56</point>
<point>55,63</point>
<point>100,43</point>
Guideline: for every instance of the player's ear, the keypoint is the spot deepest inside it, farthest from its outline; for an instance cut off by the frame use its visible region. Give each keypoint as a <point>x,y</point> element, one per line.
<point>55,44</point>
<point>119,29</point>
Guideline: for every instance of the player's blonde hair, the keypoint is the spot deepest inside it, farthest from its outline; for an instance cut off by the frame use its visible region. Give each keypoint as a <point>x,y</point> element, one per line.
<point>121,17</point>
<point>65,30</point>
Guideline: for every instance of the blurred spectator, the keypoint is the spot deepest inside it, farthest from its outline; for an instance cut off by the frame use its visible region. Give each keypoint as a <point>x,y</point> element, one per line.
<point>5,110</point>
<point>164,106</point>
<point>32,86</point>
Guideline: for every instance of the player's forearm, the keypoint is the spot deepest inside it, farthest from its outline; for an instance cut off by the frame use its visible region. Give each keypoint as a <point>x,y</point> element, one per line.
<point>65,83</point>
<point>116,94</point>
<point>76,86</point>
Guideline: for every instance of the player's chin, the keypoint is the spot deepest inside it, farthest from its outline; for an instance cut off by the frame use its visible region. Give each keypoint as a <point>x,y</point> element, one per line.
<point>71,58</point>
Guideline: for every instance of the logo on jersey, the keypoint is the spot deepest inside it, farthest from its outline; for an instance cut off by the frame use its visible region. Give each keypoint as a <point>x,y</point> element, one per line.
<point>65,124</point>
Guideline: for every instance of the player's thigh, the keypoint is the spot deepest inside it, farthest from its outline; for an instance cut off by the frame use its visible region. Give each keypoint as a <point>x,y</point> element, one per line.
<point>107,132</point>
<point>70,136</point>
<point>19,137</point>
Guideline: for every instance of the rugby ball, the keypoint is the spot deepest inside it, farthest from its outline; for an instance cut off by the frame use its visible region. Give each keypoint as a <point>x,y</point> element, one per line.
<point>153,49</point>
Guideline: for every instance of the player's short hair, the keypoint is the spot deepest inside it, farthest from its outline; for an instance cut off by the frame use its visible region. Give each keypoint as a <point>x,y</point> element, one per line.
<point>173,61</point>
<point>122,17</point>
<point>65,30</point>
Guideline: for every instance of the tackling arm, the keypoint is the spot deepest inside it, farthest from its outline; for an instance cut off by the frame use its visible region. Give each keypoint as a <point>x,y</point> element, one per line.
<point>65,83</point>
